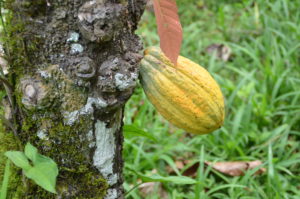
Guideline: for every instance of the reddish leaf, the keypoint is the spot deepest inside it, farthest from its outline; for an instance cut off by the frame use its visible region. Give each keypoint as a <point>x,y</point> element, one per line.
<point>169,27</point>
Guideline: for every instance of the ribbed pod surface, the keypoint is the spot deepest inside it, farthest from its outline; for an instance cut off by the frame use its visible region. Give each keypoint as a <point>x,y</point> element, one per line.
<point>186,94</point>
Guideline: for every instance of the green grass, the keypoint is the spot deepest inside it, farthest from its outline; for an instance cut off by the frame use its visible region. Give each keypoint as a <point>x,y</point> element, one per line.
<point>261,84</point>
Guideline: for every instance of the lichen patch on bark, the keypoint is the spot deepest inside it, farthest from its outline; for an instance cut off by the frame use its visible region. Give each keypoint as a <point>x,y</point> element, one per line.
<point>111,194</point>
<point>105,150</point>
<point>124,83</point>
<point>71,117</point>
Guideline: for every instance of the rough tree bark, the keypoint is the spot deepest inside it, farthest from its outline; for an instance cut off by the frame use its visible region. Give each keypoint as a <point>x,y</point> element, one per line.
<point>72,66</point>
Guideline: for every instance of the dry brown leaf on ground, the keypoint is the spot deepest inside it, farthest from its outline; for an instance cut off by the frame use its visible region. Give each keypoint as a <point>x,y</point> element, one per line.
<point>191,171</point>
<point>221,51</point>
<point>151,188</point>
<point>236,168</point>
<point>179,165</point>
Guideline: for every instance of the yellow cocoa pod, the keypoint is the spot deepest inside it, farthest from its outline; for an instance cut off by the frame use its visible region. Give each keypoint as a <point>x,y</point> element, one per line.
<point>186,94</point>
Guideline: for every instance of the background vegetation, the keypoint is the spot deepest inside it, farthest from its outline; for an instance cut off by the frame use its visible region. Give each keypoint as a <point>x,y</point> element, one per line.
<point>261,84</point>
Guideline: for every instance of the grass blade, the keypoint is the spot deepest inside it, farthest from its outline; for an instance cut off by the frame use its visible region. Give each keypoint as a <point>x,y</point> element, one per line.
<point>5,180</point>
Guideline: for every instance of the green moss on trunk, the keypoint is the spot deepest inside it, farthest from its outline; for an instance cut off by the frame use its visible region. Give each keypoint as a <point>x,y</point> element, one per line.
<point>44,126</point>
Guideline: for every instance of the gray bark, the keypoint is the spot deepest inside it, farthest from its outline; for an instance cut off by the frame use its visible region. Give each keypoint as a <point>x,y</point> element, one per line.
<point>72,66</point>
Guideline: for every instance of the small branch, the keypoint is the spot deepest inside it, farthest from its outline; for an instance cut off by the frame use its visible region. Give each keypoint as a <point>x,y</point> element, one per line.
<point>8,89</point>
<point>5,82</point>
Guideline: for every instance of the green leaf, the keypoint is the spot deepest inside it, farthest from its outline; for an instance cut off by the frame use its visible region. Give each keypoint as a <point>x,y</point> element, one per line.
<point>173,179</point>
<point>44,175</point>
<point>44,159</point>
<point>159,178</point>
<point>44,170</point>
<point>131,130</point>
<point>19,159</point>
<point>31,152</point>
<point>170,162</point>
<point>5,180</point>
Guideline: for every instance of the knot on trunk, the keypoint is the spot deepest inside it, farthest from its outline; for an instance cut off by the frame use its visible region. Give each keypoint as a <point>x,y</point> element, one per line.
<point>35,94</point>
<point>85,68</point>
<point>116,74</point>
<point>52,87</point>
<point>99,21</point>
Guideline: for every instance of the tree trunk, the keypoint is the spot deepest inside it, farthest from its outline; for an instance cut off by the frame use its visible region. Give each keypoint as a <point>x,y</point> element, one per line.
<point>72,66</point>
